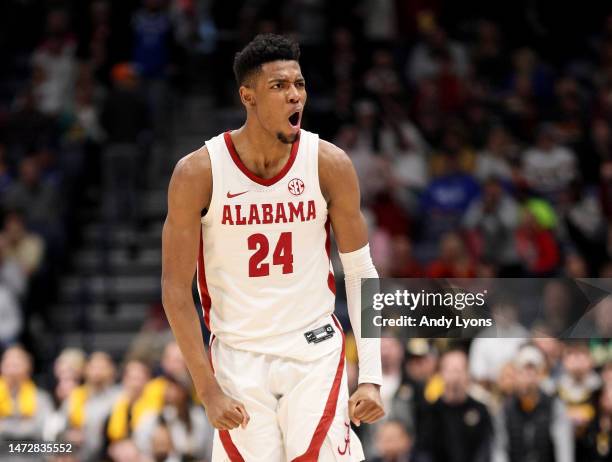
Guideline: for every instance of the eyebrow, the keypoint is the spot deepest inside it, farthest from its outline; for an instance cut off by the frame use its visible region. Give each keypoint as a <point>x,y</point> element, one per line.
<point>285,79</point>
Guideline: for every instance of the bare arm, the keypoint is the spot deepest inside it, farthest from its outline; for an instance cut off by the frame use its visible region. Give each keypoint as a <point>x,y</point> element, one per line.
<point>340,187</point>
<point>189,192</point>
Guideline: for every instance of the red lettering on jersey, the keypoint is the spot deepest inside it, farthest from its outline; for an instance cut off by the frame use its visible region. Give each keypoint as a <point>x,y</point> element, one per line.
<point>254,215</point>
<point>280,213</point>
<point>240,220</point>
<point>312,211</point>
<point>295,212</point>
<point>267,213</point>
<point>227,216</point>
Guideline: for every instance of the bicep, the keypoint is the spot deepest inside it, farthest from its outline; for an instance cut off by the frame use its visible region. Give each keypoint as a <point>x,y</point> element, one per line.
<point>181,232</point>
<point>349,225</point>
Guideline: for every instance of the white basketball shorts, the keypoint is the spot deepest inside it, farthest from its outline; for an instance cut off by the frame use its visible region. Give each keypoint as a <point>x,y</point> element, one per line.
<point>298,410</point>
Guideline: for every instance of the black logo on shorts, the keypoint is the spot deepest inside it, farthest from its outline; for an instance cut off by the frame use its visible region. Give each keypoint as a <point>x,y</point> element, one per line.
<point>320,334</point>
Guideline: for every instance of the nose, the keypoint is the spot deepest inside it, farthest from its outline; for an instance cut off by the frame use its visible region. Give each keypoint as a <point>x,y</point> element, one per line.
<point>293,95</point>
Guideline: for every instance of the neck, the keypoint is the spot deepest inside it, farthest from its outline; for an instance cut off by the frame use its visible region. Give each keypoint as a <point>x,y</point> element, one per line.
<point>96,387</point>
<point>455,397</point>
<point>264,148</point>
<point>14,384</point>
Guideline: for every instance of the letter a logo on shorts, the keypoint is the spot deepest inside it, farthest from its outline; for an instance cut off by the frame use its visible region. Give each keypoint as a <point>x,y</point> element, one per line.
<point>296,186</point>
<point>347,441</point>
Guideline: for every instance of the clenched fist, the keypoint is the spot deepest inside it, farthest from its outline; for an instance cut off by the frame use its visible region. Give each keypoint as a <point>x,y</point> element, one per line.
<point>366,405</point>
<point>223,412</point>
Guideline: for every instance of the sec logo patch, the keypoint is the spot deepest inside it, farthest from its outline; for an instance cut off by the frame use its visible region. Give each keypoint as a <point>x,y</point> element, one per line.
<point>296,186</point>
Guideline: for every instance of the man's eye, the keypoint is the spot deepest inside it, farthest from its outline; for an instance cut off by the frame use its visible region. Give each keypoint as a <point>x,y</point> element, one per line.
<point>276,86</point>
<point>300,84</point>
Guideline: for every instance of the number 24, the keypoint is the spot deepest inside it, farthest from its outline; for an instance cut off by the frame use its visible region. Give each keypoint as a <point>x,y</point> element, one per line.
<point>282,255</point>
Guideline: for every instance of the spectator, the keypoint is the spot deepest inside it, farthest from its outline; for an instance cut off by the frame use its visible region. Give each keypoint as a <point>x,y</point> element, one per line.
<point>585,225</point>
<point>393,442</point>
<point>453,261</point>
<point>162,445</point>
<point>397,399</point>
<point>549,167</point>
<point>153,39</point>
<point>532,426</point>
<point>403,143</point>
<point>55,65</point>
<point>498,157</point>
<point>12,276</point>
<point>552,349</point>
<point>600,332</point>
<point>189,432</point>
<point>68,372</point>
<point>382,79</point>
<point>404,265</point>
<point>423,64</point>
<point>496,346</point>
<point>152,31</point>
<point>455,155</point>
<point>23,246</point>
<point>536,244</point>
<point>420,377</point>
<point>68,369</point>
<point>172,368</point>
<point>23,406</point>
<point>132,409</point>
<point>487,54</point>
<point>38,199</point>
<point>89,404</point>
<point>11,320</point>
<point>126,451</point>
<point>456,427</point>
<point>446,199</point>
<point>491,221</point>
<point>577,388</point>
<point>597,441</point>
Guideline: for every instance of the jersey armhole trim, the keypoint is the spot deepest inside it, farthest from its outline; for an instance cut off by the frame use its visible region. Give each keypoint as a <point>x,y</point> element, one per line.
<point>214,179</point>
<point>316,140</point>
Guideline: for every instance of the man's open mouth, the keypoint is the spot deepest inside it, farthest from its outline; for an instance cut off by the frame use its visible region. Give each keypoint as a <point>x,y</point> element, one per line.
<point>294,118</point>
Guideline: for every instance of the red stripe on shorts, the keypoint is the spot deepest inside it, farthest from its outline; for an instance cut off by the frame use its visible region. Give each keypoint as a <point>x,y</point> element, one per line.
<point>230,447</point>
<point>312,453</point>
<point>226,439</point>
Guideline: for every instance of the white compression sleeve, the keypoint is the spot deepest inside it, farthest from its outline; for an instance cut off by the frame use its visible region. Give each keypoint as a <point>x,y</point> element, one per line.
<point>358,265</point>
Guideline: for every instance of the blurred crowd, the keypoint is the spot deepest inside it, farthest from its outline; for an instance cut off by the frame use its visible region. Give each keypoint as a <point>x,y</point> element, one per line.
<point>482,138</point>
<point>145,412</point>
<point>84,87</point>
<point>531,399</point>
<point>516,399</point>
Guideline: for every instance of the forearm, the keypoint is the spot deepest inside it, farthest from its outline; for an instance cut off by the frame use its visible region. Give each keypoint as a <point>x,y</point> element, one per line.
<point>357,266</point>
<point>185,324</point>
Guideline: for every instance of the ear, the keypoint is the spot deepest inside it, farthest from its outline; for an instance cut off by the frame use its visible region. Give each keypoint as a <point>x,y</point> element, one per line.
<point>247,96</point>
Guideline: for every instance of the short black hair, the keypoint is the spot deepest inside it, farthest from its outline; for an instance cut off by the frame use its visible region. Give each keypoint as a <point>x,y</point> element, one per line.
<point>264,48</point>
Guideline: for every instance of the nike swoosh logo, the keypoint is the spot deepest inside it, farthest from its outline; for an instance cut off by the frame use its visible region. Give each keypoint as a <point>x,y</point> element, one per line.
<point>230,195</point>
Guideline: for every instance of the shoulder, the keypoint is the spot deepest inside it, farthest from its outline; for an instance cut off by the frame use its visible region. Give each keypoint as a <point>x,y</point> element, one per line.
<point>192,177</point>
<point>194,165</point>
<point>336,172</point>
<point>332,157</point>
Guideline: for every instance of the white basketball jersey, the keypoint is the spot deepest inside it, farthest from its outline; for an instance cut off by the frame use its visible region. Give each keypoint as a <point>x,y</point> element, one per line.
<point>264,272</point>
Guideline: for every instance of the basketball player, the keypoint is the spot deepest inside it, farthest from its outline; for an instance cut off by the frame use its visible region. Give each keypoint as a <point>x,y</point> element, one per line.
<point>254,208</point>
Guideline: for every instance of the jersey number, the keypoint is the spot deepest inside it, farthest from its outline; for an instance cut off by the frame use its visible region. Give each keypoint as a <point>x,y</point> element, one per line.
<point>282,254</point>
